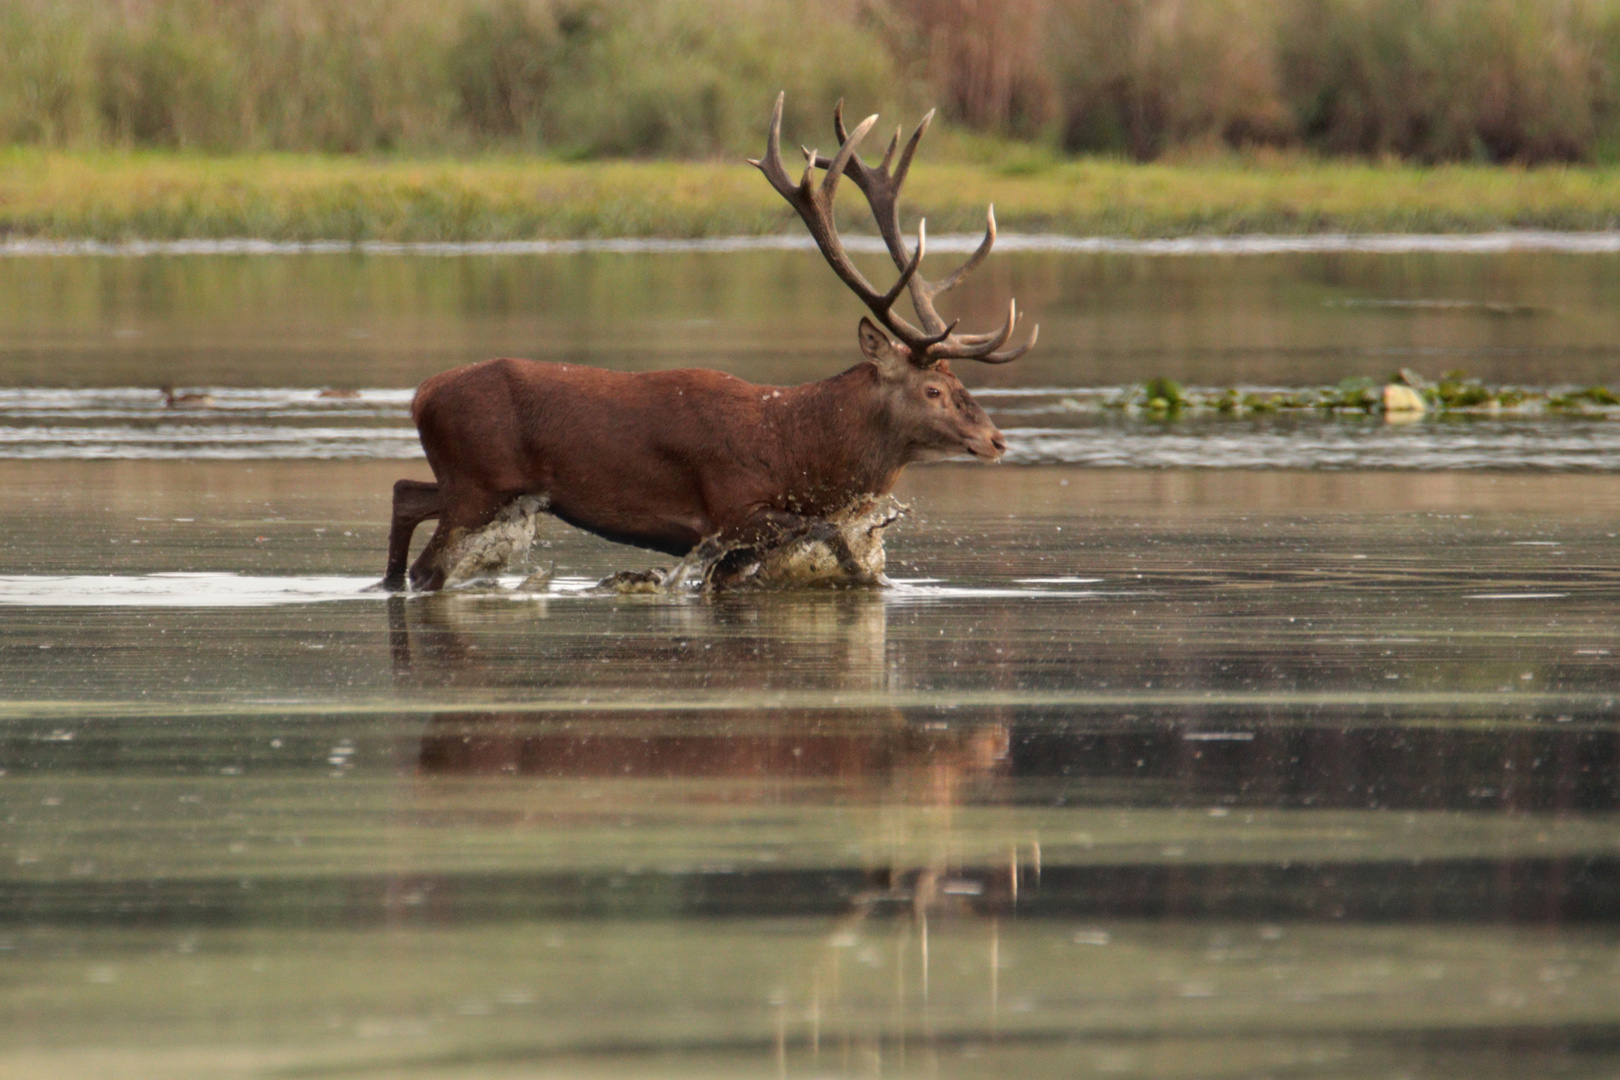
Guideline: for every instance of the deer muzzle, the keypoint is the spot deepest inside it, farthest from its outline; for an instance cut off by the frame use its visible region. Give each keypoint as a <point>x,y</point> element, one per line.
<point>988,446</point>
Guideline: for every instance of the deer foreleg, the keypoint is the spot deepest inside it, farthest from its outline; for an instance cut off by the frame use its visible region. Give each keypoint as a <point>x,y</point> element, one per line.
<point>460,514</point>
<point>729,558</point>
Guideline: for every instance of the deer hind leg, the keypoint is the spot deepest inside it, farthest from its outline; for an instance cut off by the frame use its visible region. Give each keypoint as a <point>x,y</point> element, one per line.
<point>414,502</point>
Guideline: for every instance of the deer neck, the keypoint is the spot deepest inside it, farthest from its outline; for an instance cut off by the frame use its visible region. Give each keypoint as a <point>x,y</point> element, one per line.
<point>842,442</point>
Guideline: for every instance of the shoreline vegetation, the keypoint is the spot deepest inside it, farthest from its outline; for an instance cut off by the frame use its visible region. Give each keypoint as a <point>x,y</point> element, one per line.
<point>1486,81</point>
<point>115,196</point>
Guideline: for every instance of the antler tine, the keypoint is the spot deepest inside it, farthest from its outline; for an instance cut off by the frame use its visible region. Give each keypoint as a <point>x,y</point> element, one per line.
<point>807,182</point>
<point>954,278</point>
<point>838,129</point>
<point>771,165</point>
<point>888,155</point>
<point>910,269</point>
<point>1012,354</point>
<point>935,339</point>
<point>901,169</point>
<point>980,339</point>
<point>973,346</point>
<point>829,185</point>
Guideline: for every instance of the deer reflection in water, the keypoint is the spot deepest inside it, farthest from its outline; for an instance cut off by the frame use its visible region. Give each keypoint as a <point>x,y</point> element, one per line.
<point>834,643</point>
<point>900,777</point>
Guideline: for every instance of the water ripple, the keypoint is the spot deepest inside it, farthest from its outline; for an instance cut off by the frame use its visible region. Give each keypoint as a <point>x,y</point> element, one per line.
<point>228,423</point>
<point>1538,444</point>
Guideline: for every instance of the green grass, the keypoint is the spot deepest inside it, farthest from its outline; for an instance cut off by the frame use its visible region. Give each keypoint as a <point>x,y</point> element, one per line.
<point>152,195</point>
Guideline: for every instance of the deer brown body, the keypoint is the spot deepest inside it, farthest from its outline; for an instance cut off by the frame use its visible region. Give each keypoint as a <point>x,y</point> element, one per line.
<point>664,460</point>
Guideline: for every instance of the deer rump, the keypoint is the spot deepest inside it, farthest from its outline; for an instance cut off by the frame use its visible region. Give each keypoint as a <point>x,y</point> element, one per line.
<point>675,460</point>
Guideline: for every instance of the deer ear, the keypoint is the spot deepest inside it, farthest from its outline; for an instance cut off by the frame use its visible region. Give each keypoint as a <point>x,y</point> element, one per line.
<point>877,347</point>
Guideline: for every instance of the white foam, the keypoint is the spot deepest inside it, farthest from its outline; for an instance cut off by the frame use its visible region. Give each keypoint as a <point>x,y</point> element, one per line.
<point>202,590</point>
<point>487,552</point>
<point>845,548</point>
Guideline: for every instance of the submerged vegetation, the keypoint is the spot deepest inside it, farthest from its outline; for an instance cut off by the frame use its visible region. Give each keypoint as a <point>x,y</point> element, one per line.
<point>1423,80</point>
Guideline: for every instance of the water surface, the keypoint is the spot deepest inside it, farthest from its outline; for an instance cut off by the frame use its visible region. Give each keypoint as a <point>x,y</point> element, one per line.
<point>1177,773</point>
<point>1304,768</point>
<point>1044,425</point>
<point>352,320</point>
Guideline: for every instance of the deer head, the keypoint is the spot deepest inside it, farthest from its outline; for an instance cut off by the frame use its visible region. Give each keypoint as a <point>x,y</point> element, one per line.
<point>926,408</point>
<point>935,341</point>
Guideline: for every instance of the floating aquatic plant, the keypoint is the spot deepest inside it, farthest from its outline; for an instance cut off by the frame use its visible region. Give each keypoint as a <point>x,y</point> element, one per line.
<point>1456,392</point>
<point>1164,395</point>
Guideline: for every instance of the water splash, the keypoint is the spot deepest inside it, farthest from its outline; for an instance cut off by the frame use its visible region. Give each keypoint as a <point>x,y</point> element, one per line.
<point>480,555</point>
<point>843,549</point>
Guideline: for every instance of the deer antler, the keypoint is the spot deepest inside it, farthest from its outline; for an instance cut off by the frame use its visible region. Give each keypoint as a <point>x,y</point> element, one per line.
<point>815,206</point>
<point>882,191</point>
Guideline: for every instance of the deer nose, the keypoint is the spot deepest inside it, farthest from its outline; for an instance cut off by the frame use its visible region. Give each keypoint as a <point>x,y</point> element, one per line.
<point>999,443</point>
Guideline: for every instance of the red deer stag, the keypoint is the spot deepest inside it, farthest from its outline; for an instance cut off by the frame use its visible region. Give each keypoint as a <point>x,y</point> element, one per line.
<point>666,459</point>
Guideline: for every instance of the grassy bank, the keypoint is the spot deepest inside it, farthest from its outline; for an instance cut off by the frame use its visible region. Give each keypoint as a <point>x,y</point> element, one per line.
<point>295,197</point>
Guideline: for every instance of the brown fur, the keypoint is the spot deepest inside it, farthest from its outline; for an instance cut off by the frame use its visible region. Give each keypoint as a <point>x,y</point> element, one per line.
<point>663,459</point>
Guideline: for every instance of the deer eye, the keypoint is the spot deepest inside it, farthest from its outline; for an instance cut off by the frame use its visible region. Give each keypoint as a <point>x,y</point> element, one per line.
<point>932,391</point>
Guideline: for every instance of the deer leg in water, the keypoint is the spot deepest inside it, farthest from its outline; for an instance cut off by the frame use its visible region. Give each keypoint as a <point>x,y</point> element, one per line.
<point>728,558</point>
<point>465,513</point>
<point>846,546</point>
<point>414,502</point>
